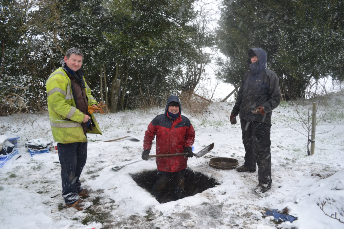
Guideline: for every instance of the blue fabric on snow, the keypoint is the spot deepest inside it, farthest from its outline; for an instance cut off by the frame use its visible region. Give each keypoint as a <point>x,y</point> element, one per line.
<point>280,217</point>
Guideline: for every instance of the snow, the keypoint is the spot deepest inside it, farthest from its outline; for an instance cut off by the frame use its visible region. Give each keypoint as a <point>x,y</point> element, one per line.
<point>30,187</point>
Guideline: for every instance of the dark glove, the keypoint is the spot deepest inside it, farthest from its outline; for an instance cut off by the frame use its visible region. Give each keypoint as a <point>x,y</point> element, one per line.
<point>189,152</point>
<point>259,110</point>
<point>145,154</point>
<point>233,120</point>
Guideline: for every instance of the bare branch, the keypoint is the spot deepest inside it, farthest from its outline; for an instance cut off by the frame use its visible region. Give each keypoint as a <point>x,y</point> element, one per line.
<point>333,216</point>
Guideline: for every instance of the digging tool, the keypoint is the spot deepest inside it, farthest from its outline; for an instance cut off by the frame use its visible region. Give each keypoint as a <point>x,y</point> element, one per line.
<point>168,155</point>
<point>116,168</point>
<point>201,153</point>
<point>125,137</point>
<point>205,150</point>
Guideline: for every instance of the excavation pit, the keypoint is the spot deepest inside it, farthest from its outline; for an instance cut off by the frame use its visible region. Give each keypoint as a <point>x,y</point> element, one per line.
<point>195,182</point>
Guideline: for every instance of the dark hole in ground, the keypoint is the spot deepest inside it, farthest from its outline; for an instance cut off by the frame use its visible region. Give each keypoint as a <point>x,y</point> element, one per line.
<point>195,182</point>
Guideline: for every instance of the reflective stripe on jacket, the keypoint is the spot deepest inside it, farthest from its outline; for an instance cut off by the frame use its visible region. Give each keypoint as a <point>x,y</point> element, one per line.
<point>65,118</point>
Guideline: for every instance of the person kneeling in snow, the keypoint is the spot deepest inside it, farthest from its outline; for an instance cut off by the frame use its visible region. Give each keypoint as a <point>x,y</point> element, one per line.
<point>174,134</point>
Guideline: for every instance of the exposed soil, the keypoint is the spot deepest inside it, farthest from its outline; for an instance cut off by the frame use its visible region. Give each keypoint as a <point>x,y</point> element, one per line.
<point>195,182</point>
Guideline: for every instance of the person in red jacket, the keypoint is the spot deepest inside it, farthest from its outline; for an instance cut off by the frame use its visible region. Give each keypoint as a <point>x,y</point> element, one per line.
<point>174,134</point>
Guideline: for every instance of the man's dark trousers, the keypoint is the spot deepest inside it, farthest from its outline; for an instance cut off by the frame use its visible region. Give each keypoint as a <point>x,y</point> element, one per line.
<point>256,139</point>
<point>164,177</point>
<point>72,159</point>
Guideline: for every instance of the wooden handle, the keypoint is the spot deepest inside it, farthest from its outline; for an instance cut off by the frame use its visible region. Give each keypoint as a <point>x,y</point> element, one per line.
<point>168,155</point>
<point>117,139</point>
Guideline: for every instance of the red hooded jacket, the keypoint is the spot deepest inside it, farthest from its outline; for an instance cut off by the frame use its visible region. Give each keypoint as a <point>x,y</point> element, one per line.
<point>172,136</point>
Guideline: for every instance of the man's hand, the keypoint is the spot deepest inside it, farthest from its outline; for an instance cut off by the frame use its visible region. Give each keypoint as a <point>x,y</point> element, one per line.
<point>86,119</point>
<point>259,110</point>
<point>145,154</point>
<point>189,152</point>
<point>232,119</point>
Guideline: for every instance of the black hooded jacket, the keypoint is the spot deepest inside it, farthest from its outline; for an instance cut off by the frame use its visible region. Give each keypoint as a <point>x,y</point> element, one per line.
<point>259,87</point>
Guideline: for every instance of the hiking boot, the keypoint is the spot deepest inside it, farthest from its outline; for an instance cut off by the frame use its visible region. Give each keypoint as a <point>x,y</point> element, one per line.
<point>77,205</point>
<point>243,168</point>
<point>261,187</point>
<point>84,193</point>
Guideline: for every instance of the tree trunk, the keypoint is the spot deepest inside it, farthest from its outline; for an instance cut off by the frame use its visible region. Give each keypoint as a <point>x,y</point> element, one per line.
<point>105,87</point>
<point>3,57</point>
<point>114,93</point>
<point>192,78</point>
<point>125,87</point>
<point>101,84</point>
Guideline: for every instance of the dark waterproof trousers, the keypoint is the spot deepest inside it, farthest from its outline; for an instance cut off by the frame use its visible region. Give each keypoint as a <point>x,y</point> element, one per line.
<point>72,159</point>
<point>163,177</point>
<point>256,139</point>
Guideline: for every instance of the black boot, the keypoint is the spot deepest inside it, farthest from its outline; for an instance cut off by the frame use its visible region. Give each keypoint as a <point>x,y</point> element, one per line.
<point>261,187</point>
<point>243,168</point>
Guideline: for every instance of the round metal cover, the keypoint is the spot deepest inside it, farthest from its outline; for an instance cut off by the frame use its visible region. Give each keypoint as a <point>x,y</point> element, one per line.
<point>223,163</point>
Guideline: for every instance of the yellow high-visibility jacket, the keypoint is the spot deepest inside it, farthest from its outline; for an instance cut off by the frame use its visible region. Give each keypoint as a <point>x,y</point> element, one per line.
<point>65,118</point>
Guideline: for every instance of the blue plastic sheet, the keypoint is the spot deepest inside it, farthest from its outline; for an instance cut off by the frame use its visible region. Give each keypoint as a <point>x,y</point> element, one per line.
<point>3,160</point>
<point>280,217</point>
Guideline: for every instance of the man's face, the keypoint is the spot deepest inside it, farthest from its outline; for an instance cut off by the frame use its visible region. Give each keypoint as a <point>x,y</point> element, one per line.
<point>173,109</point>
<point>254,59</point>
<point>74,62</point>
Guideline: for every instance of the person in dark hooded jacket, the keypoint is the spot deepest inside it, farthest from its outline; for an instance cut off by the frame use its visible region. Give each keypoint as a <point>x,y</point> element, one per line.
<point>258,95</point>
<point>174,134</point>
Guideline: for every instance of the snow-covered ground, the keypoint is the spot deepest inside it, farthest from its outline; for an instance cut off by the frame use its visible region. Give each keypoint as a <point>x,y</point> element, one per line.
<point>311,187</point>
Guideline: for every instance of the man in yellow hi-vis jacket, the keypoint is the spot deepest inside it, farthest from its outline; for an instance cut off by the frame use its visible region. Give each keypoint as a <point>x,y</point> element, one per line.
<point>68,99</point>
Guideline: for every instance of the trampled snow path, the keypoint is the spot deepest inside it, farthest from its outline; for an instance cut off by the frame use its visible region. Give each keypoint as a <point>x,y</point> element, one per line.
<point>30,187</point>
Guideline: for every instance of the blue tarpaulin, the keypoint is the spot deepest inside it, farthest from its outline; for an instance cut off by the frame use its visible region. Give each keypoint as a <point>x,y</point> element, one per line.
<point>280,217</point>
